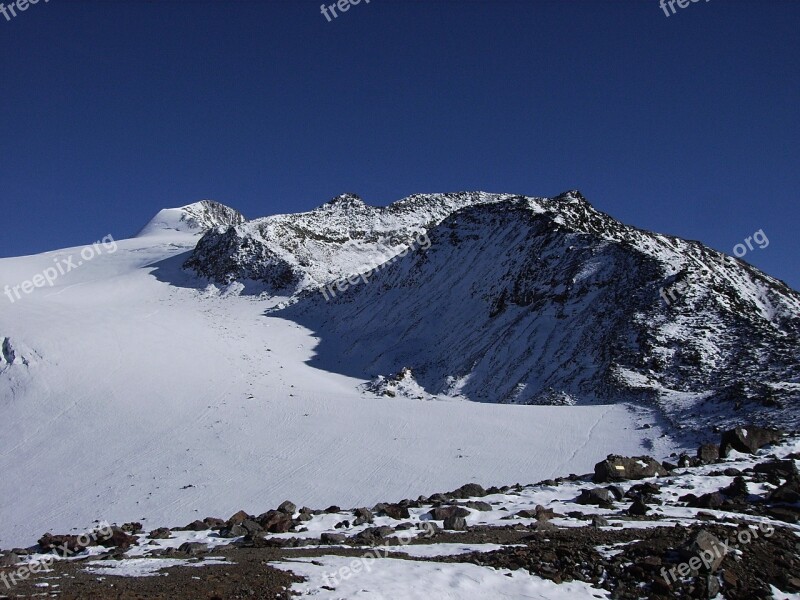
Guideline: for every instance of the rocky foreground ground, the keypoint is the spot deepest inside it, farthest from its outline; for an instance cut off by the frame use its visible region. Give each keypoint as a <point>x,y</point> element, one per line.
<point>724,523</point>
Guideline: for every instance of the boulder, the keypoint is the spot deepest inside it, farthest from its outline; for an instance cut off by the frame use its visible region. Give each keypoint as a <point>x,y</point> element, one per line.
<point>455,523</point>
<point>470,490</point>
<point>214,523</point>
<point>233,531</point>
<point>193,548</point>
<point>440,513</point>
<point>708,453</point>
<point>616,491</point>
<point>748,440</point>
<point>620,468</point>
<point>60,543</point>
<point>237,518</point>
<point>638,508</point>
<point>737,489</point>
<point>785,469</point>
<point>373,535</point>
<point>713,500</point>
<point>333,538</point>
<point>788,514</point>
<point>364,515</point>
<point>8,560</point>
<point>788,493</point>
<point>196,526</point>
<point>705,544</point>
<point>132,527</point>
<point>478,505</point>
<point>275,521</point>
<point>287,507</point>
<point>162,533</point>
<point>596,496</point>
<point>118,539</point>
<point>251,527</point>
<point>395,511</point>
<point>598,521</point>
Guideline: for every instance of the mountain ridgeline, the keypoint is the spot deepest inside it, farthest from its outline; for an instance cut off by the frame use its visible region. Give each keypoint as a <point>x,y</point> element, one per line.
<point>524,300</point>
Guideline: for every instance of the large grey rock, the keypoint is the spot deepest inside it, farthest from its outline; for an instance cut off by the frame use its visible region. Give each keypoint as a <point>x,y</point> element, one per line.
<point>333,538</point>
<point>596,496</point>
<point>470,490</point>
<point>708,453</point>
<point>705,544</point>
<point>287,507</point>
<point>621,468</point>
<point>748,439</point>
<point>455,523</point>
<point>440,513</point>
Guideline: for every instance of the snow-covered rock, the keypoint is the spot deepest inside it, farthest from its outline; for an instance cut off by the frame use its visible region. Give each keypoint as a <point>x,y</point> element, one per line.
<point>193,218</point>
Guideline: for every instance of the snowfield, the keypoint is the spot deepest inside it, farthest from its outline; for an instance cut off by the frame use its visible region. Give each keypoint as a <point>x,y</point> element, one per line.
<point>128,391</point>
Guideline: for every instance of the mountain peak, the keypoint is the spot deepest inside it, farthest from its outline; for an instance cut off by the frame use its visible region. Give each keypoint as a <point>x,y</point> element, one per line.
<point>195,218</point>
<point>346,200</point>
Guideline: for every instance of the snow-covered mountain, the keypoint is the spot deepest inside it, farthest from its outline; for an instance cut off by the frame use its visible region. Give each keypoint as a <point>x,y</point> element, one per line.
<point>198,368</point>
<point>192,218</point>
<point>548,301</point>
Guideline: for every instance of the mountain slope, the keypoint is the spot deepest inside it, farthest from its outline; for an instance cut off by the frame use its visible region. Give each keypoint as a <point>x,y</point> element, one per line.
<point>132,390</point>
<point>194,218</point>
<point>548,301</point>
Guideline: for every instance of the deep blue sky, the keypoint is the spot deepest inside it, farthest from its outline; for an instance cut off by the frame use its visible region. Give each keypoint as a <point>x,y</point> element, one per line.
<point>685,124</point>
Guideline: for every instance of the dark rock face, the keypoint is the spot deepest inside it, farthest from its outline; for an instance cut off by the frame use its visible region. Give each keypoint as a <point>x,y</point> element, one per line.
<point>785,469</point>
<point>441,513</point>
<point>238,518</point>
<point>620,468</point>
<point>118,539</point>
<point>705,544</point>
<point>395,511</point>
<point>363,515</point>
<point>196,526</point>
<point>598,521</point>
<point>193,548</point>
<point>596,496</point>
<point>214,523</point>
<point>788,493</point>
<point>162,533</point>
<point>333,538</point>
<point>708,453</point>
<point>373,535</point>
<point>275,521</point>
<point>60,543</point>
<point>737,489</point>
<point>287,507</point>
<point>455,523</point>
<point>132,528</point>
<point>638,508</point>
<point>713,500</point>
<point>478,505</point>
<point>470,490</point>
<point>748,439</point>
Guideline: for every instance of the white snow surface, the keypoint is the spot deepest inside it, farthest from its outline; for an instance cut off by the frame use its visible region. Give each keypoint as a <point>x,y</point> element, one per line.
<point>130,396</point>
<point>393,579</point>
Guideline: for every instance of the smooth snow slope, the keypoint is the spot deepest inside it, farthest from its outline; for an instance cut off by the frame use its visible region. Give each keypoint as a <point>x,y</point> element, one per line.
<point>123,389</point>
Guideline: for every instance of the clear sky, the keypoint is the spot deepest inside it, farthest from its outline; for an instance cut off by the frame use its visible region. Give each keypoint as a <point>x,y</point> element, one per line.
<point>687,124</point>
